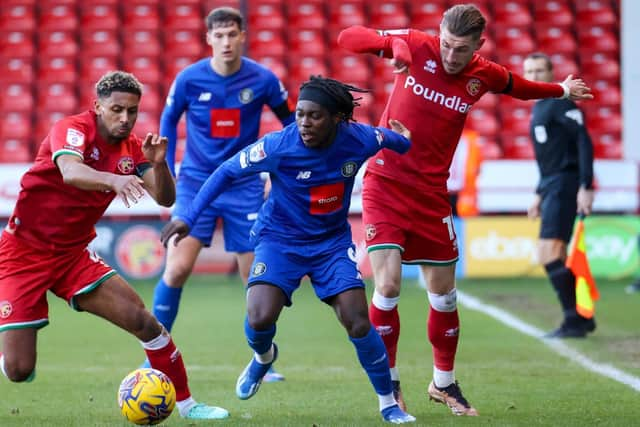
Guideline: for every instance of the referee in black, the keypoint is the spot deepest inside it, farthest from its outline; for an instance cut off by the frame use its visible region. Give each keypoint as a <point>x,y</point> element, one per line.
<point>564,154</point>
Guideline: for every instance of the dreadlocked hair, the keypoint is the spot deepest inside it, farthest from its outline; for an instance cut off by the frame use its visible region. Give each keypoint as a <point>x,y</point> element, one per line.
<point>340,92</point>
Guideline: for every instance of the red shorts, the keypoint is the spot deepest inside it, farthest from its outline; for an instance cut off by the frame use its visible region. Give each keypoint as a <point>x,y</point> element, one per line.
<point>420,224</point>
<point>26,274</point>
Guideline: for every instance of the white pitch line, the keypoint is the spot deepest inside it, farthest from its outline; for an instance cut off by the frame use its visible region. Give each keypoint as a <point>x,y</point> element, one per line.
<point>558,346</point>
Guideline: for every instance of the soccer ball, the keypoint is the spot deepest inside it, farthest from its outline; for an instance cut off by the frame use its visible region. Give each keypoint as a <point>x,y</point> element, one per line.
<point>146,396</point>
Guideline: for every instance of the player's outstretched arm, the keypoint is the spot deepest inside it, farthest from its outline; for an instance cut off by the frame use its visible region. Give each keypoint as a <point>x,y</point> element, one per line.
<point>158,181</point>
<point>576,89</point>
<point>570,88</point>
<point>367,40</point>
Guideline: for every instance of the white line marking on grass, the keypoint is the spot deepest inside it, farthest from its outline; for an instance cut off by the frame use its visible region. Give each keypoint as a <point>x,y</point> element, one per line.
<point>558,346</point>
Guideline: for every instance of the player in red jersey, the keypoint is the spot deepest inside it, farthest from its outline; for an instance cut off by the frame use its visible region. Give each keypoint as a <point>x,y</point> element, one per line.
<point>406,210</point>
<point>82,165</point>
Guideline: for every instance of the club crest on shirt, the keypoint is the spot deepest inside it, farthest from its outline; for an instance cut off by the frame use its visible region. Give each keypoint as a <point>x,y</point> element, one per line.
<point>473,86</point>
<point>349,169</point>
<point>245,95</point>
<point>5,309</point>
<point>75,138</point>
<point>259,269</point>
<point>125,165</point>
<point>369,231</point>
<point>257,153</point>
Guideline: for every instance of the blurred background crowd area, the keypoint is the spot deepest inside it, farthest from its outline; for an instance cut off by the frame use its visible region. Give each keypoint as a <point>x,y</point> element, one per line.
<point>53,51</point>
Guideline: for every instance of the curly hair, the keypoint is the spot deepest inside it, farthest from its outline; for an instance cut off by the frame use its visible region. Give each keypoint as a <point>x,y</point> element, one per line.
<point>339,92</point>
<point>118,81</point>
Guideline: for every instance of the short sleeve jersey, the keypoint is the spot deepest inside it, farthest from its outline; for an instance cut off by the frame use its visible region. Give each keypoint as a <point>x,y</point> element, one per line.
<point>222,112</point>
<point>434,106</point>
<point>52,215</point>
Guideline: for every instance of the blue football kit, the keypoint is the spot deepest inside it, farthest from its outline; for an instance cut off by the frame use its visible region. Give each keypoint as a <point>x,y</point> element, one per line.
<point>222,117</point>
<point>302,228</point>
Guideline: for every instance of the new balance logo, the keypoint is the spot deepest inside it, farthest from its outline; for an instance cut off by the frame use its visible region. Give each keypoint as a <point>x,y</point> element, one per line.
<point>304,175</point>
<point>205,96</point>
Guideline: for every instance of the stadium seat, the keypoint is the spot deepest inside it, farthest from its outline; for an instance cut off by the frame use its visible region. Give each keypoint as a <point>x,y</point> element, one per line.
<point>140,17</point>
<point>553,12</point>
<point>18,17</point>
<point>152,101</point>
<point>266,16</point>
<point>15,151</point>
<point>483,122</point>
<point>489,148</point>
<point>307,43</point>
<point>17,44</point>
<point>183,16</point>
<point>142,42</point>
<point>306,15</point>
<point>302,67</point>
<point>607,145</point>
<point>99,16</point>
<point>147,122</point>
<point>488,48</point>
<point>17,97</point>
<point>212,4</point>
<point>57,44</point>
<point>16,70</point>
<point>563,65</point>
<point>267,43</point>
<point>99,43</point>
<point>517,146</point>
<point>511,14</point>
<point>595,12</point>
<point>343,14</point>
<point>597,39</point>
<point>596,66</point>
<point>93,68</point>
<point>277,65</point>
<point>172,66</point>
<point>44,121</point>
<point>350,68</point>
<point>57,70</point>
<point>59,97</point>
<point>513,40</point>
<point>388,14</point>
<point>513,61</point>
<point>145,68</point>
<point>606,93</point>
<point>488,102</point>
<point>427,15</point>
<point>554,39</point>
<point>515,120</point>
<point>268,122</point>
<point>184,43</point>
<point>58,17</point>
<point>16,125</point>
<point>606,121</point>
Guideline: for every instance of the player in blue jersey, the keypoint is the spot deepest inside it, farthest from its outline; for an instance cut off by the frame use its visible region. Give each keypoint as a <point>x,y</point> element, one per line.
<point>223,97</point>
<point>302,228</point>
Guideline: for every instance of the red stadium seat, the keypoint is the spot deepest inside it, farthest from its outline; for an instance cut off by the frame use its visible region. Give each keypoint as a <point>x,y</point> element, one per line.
<point>15,151</point>
<point>600,66</point>
<point>268,122</point>
<point>140,17</point>
<point>606,93</point>
<point>483,122</point>
<point>93,68</point>
<point>57,43</point>
<point>99,16</point>
<point>172,66</point>
<point>553,12</point>
<point>511,14</point>
<point>277,65</point>
<point>488,101</point>
<point>388,14</point>
<point>212,4</point>
<point>305,15</point>
<point>510,40</point>
<point>142,42</point>
<point>18,17</point>
<point>515,120</point>
<point>301,69</point>
<point>17,44</point>
<point>427,15</point>
<point>343,14</point>
<point>489,148</point>
<point>146,123</point>
<point>267,43</point>
<point>517,146</point>
<point>57,70</point>
<point>563,65</point>
<point>595,12</point>
<point>184,43</point>
<point>607,145</point>
<point>99,43</point>
<point>488,48</point>
<point>266,16</point>
<point>44,121</point>
<point>552,39</point>
<point>351,68</point>
<point>152,101</point>
<point>307,42</point>
<point>57,97</point>
<point>16,70</point>
<point>58,17</point>
<point>513,61</point>
<point>605,123</point>
<point>598,39</point>
<point>16,97</point>
<point>16,125</point>
<point>145,68</point>
<point>183,16</point>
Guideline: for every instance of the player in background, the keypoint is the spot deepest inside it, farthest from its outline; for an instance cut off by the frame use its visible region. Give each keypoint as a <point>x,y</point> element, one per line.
<point>223,97</point>
<point>302,229</point>
<point>438,80</point>
<point>564,154</point>
<point>83,164</point>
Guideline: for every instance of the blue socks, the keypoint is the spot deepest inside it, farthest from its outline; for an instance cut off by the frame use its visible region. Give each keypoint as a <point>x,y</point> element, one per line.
<point>166,301</point>
<point>373,358</point>
<point>259,341</point>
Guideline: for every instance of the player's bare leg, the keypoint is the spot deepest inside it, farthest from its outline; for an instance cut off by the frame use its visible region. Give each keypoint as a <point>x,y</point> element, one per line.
<point>383,311</point>
<point>443,328</point>
<point>18,356</point>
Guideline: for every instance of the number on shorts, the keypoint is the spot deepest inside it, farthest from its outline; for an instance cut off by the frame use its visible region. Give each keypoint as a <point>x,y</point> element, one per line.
<point>449,221</point>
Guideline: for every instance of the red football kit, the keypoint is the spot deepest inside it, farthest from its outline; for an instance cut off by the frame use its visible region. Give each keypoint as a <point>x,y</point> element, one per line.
<point>405,201</point>
<point>44,245</point>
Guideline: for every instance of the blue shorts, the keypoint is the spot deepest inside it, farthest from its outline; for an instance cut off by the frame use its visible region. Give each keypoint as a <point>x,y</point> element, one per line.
<point>332,270</point>
<point>237,207</point>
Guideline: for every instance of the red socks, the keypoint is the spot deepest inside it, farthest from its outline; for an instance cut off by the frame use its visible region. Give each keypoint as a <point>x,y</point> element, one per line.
<point>443,329</point>
<point>387,324</point>
<point>169,360</point>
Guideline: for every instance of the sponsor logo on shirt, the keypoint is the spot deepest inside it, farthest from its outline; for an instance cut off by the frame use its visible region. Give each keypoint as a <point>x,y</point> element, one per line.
<point>451,102</point>
<point>205,97</point>
<point>225,122</point>
<point>349,169</point>
<point>304,175</point>
<point>125,165</point>
<point>257,153</point>
<point>473,86</point>
<point>246,95</point>
<point>75,138</point>
<point>259,269</point>
<point>430,66</point>
<point>5,309</point>
<point>326,199</point>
